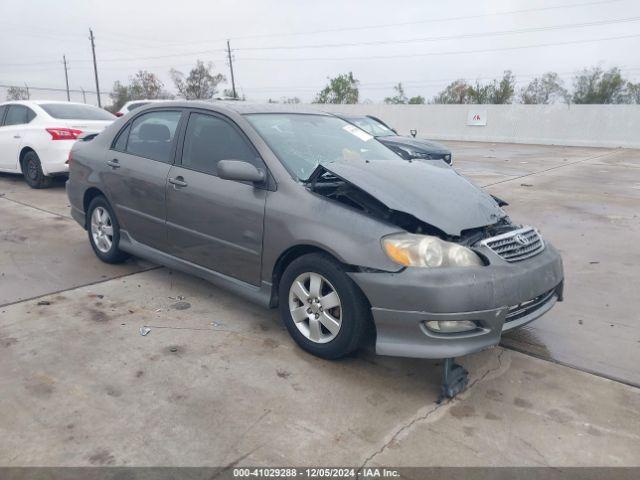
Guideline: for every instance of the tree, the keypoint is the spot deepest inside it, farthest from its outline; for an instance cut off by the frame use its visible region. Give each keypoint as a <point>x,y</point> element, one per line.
<point>496,92</point>
<point>633,92</point>
<point>17,93</point>
<point>399,97</point>
<point>549,88</point>
<point>455,92</point>
<point>594,85</point>
<point>479,93</point>
<point>502,91</point>
<point>147,85</point>
<point>143,85</point>
<point>200,84</point>
<point>341,89</point>
<point>119,96</point>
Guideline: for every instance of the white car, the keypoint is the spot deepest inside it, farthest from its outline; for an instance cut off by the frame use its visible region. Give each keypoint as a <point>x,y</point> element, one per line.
<point>132,105</point>
<point>36,136</point>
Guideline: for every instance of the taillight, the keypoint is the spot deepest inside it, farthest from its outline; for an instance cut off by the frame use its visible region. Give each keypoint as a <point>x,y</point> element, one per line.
<point>119,114</point>
<point>64,133</point>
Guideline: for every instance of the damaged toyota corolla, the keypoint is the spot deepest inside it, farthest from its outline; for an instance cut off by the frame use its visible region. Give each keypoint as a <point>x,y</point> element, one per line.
<point>303,211</point>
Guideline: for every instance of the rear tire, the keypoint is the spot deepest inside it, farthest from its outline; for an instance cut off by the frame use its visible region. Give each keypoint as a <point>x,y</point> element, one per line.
<point>332,317</point>
<point>32,171</point>
<point>104,231</point>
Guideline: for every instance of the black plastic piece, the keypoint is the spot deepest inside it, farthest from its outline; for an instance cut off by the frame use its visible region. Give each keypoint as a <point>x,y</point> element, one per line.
<point>454,379</point>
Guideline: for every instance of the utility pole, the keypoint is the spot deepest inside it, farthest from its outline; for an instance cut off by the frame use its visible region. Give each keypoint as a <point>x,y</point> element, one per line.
<point>95,66</point>
<point>233,81</point>
<point>66,76</point>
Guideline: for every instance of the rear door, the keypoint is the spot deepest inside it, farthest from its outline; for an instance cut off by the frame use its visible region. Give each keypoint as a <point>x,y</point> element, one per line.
<point>135,174</point>
<point>213,222</point>
<point>12,129</point>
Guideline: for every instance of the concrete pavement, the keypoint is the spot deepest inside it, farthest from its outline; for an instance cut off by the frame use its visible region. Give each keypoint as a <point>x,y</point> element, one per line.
<point>217,381</point>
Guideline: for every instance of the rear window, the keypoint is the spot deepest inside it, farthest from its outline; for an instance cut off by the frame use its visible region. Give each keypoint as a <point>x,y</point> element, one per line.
<point>69,111</point>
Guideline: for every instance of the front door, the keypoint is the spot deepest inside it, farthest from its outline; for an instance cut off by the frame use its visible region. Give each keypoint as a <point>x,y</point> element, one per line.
<point>135,175</point>
<point>212,222</point>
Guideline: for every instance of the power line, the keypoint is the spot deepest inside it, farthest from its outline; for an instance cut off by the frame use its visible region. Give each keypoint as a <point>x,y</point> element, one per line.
<point>369,27</point>
<point>377,42</point>
<point>432,20</point>
<point>452,52</point>
<point>449,37</point>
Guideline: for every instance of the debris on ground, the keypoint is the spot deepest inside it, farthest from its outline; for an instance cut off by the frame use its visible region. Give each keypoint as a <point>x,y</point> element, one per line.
<point>181,305</point>
<point>526,185</point>
<point>144,331</point>
<point>44,302</point>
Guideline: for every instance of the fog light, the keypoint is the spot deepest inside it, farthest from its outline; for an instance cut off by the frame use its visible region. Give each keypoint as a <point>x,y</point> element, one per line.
<point>449,326</point>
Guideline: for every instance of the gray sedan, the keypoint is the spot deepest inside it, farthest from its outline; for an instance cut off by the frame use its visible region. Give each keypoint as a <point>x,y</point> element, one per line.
<point>302,211</point>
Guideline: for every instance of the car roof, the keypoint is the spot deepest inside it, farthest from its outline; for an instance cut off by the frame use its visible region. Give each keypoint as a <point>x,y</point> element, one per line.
<point>28,103</point>
<point>351,115</point>
<point>240,107</point>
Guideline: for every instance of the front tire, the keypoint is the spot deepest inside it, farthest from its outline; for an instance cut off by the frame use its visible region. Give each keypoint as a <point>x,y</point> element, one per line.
<point>322,308</point>
<point>32,171</point>
<point>104,231</point>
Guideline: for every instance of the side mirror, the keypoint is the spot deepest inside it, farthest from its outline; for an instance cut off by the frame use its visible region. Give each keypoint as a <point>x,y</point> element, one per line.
<point>239,171</point>
<point>413,133</point>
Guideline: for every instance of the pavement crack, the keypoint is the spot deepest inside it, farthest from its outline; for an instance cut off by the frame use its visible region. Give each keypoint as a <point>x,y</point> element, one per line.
<point>18,202</point>
<point>429,413</point>
<point>595,157</point>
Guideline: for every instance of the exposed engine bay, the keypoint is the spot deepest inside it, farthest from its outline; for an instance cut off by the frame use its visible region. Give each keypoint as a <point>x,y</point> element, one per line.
<point>330,185</point>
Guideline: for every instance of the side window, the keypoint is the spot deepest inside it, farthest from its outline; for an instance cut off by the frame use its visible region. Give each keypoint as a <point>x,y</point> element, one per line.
<point>209,139</point>
<point>153,134</point>
<point>121,143</point>
<point>30,115</point>
<point>2,110</point>
<point>16,115</point>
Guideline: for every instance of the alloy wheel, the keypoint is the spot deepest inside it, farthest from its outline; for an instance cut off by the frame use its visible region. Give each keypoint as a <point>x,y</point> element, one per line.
<point>101,229</point>
<point>315,307</point>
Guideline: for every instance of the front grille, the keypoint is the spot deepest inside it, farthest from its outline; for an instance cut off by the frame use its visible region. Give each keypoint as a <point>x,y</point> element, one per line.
<point>525,308</point>
<point>517,244</point>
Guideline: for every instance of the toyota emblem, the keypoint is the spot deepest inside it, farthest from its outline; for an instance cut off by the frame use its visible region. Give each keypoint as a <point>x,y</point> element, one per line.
<point>521,239</point>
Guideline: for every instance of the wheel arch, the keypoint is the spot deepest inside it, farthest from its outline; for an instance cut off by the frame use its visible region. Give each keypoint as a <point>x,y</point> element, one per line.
<point>23,153</point>
<point>288,256</point>
<point>89,194</point>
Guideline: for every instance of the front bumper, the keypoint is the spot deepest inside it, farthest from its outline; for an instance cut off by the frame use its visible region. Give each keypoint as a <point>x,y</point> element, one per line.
<point>497,297</point>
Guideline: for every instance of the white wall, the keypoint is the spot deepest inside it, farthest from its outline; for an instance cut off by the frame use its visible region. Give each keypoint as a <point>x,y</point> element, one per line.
<point>579,125</point>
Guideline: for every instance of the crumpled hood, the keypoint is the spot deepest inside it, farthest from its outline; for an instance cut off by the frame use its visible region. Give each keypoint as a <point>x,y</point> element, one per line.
<point>416,143</point>
<point>433,193</point>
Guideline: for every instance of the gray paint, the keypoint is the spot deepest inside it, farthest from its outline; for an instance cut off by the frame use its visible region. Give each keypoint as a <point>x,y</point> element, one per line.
<point>233,233</point>
<point>430,191</point>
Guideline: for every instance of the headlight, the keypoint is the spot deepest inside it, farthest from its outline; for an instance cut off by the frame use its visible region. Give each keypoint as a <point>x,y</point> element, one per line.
<point>413,250</point>
<point>411,153</point>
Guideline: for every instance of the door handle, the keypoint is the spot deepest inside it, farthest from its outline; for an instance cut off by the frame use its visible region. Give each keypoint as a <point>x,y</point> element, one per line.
<point>113,163</point>
<point>17,136</point>
<point>178,182</point>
